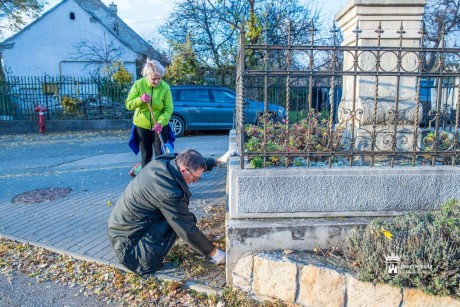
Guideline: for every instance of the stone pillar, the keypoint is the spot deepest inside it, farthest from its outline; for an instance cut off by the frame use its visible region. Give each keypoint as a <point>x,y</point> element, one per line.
<point>357,109</point>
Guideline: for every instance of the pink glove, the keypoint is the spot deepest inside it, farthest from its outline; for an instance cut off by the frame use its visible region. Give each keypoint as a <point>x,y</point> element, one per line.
<point>157,128</point>
<point>145,97</point>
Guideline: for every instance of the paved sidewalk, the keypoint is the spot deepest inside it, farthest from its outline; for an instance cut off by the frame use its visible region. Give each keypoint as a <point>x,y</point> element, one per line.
<point>95,167</point>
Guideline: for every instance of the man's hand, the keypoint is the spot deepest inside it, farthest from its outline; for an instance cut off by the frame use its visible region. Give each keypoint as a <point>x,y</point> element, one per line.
<point>145,98</point>
<point>226,156</point>
<point>218,257</point>
<point>157,128</point>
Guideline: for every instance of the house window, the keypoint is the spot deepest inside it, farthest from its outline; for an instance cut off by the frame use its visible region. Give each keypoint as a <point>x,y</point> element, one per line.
<point>50,88</point>
<point>72,15</point>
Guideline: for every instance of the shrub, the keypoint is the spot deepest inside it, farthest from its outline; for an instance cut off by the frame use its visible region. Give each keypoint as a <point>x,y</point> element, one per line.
<point>430,242</point>
<point>117,86</point>
<point>315,136</point>
<point>72,106</point>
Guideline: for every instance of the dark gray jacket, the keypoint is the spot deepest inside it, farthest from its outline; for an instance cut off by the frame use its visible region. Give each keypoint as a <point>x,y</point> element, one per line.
<point>153,205</point>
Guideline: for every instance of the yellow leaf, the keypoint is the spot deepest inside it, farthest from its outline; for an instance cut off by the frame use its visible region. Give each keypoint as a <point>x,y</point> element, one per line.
<point>388,234</point>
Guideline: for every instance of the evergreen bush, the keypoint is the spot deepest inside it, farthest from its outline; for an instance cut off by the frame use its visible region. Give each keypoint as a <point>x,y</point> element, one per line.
<point>428,244</point>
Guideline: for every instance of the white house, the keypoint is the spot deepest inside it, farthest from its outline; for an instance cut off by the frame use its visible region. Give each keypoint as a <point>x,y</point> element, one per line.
<point>75,38</point>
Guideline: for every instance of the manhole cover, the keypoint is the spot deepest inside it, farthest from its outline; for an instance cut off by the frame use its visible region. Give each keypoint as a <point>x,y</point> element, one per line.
<point>41,195</point>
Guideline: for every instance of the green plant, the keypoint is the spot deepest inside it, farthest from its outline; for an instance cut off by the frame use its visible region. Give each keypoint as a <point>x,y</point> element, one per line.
<point>313,135</point>
<point>184,68</point>
<point>117,85</point>
<point>71,106</point>
<point>428,245</point>
<point>121,75</point>
<point>444,141</point>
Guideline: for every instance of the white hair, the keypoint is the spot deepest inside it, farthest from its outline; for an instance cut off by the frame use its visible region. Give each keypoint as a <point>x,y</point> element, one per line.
<point>153,67</point>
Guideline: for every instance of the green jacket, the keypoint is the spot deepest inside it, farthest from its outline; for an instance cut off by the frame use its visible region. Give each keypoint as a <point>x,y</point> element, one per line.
<point>162,103</point>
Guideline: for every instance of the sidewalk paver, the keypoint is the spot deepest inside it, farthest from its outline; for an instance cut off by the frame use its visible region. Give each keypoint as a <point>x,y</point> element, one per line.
<point>77,222</point>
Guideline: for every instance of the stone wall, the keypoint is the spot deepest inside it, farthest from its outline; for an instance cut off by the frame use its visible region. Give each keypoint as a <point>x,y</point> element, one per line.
<point>299,208</point>
<point>339,191</point>
<point>307,281</point>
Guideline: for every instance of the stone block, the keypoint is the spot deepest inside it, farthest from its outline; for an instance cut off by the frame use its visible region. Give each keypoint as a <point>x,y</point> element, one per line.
<point>242,273</point>
<point>416,298</point>
<point>366,294</point>
<point>357,191</point>
<point>244,236</point>
<point>321,286</point>
<point>274,278</point>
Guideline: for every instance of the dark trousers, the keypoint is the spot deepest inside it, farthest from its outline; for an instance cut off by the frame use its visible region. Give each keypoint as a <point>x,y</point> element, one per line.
<point>148,138</point>
<point>146,255</point>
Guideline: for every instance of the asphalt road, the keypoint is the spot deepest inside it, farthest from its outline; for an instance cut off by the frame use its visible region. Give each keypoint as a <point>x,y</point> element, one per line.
<point>24,291</point>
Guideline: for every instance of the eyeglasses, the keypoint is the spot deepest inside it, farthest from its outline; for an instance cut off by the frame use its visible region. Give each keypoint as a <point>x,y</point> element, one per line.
<point>155,78</point>
<point>195,178</point>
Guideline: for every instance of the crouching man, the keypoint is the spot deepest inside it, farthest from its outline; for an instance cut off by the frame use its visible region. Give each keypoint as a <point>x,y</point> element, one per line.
<point>153,211</point>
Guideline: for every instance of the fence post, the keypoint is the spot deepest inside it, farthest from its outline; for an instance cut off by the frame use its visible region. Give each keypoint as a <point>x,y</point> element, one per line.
<point>99,94</point>
<point>45,91</point>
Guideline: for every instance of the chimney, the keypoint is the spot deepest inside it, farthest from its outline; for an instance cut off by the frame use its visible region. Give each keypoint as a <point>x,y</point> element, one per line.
<point>113,8</point>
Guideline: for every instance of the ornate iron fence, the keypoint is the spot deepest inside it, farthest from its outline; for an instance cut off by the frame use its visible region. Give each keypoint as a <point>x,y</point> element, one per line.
<point>382,106</point>
<point>65,98</point>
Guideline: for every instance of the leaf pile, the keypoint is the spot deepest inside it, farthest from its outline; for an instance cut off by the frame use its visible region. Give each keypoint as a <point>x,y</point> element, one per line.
<point>108,284</point>
<point>192,263</point>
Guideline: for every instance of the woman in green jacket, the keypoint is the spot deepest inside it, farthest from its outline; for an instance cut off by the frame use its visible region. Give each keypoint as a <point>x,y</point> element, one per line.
<point>150,89</point>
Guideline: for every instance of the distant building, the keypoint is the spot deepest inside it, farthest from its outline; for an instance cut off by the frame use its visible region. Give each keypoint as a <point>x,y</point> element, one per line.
<point>50,44</point>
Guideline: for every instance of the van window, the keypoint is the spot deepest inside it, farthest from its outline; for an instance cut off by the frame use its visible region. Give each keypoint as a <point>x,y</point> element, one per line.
<point>223,96</point>
<point>174,94</point>
<point>200,95</point>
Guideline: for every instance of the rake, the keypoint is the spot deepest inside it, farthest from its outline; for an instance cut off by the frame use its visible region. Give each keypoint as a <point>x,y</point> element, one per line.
<point>165,148</point>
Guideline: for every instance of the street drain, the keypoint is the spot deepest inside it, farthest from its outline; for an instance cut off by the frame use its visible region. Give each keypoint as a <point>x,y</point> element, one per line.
<point>41,195</point>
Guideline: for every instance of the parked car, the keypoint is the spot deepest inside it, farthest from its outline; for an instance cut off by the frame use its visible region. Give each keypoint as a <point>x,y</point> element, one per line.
<point>213,108</point>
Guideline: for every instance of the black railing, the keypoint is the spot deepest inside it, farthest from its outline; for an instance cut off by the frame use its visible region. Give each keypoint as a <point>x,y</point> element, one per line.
<point>65,98</point>
<point>399,115</point>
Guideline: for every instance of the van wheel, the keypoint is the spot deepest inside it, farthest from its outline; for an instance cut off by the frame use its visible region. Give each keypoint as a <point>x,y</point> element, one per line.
<point>177,125</point>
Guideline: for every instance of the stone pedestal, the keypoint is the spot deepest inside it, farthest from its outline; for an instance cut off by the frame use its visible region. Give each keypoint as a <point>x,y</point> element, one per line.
<point>376,76</point>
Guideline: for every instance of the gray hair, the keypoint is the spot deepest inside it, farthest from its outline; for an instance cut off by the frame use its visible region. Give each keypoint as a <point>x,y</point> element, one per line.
<point>153,67</point>
<point>191,159</point>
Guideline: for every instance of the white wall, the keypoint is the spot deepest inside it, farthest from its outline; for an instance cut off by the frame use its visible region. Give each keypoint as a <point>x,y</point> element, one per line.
<point>43,47</point>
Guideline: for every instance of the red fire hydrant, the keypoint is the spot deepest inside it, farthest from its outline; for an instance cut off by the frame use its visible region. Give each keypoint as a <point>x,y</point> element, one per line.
<point>41,118</point>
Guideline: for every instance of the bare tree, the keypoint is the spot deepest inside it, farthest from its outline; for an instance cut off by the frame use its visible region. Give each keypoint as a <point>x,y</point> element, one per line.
<point>214,27</point>
<point>14,14</point>
<point>100,53</point>
<point>441,19</point>
<point>212,39</point>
